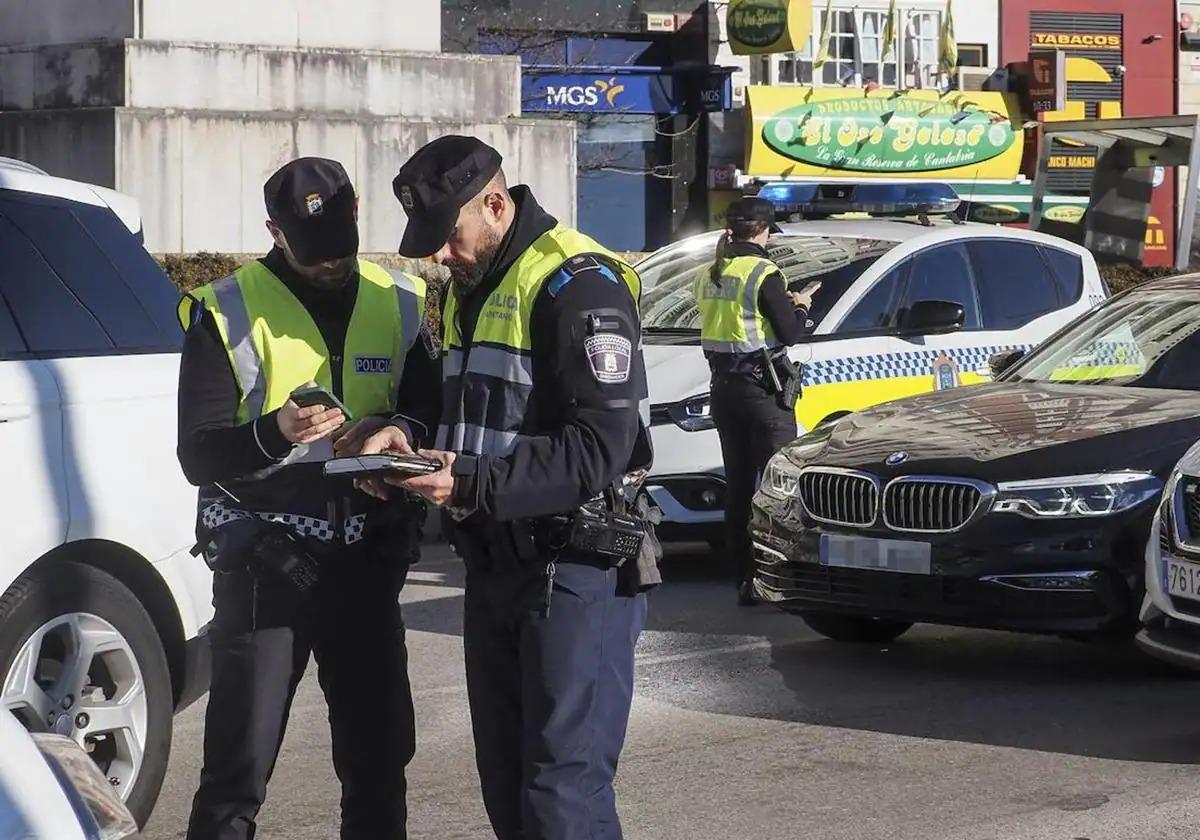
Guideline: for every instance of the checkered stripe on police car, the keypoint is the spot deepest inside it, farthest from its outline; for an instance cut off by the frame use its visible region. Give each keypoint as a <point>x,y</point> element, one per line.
<point>1113,353</point>
<point>893,365</point>
<point>217,514</point>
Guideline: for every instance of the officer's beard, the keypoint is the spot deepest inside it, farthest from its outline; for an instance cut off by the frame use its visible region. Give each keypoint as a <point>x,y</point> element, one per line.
<point>467,277</point>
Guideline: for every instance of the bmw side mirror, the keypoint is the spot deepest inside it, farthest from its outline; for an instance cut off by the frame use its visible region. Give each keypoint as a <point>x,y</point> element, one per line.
<point>1002,361</point>
<point>931,317</point>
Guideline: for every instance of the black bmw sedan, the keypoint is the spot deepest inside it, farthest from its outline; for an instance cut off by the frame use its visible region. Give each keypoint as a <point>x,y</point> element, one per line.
<point>1022,504</point>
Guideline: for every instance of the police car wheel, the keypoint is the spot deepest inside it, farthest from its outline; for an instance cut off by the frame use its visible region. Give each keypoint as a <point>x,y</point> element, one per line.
<point>79,656</point>
<point>849,628</point>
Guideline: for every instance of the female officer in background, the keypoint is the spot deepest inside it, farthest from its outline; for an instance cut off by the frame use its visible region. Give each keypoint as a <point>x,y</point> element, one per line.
<point>748,319</point>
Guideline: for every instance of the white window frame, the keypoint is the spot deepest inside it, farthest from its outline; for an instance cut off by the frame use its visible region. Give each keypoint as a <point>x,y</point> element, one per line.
<point>917,47</point>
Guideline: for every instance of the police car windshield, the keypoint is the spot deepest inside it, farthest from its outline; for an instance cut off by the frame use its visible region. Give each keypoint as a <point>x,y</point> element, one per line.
<point>669,305</point>
<point>1147,339</point>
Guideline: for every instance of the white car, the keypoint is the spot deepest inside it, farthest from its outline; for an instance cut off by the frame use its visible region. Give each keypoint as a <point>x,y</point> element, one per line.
<point>101,604</point>
<point>1171,608</point>
<point>871,339</point>
<point>51,790</point>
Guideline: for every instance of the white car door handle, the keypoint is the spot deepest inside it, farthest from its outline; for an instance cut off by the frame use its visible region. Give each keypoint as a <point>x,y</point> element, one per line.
<point>10,412</point>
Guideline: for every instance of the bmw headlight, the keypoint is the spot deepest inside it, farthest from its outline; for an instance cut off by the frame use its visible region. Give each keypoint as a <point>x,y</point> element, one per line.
<point>1077,496</point>
<point>694,414</point>
<point>781,479</point>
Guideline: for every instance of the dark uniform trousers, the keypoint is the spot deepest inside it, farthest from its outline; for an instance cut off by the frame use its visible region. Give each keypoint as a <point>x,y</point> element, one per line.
<point>550,695</point>
<point>261,638</point>
<point>752,427</point>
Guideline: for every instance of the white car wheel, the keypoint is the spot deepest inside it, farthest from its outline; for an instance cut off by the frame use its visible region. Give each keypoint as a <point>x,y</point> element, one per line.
<point>79,656</point>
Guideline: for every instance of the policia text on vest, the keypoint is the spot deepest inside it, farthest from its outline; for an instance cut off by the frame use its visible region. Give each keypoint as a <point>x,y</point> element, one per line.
<point>308,313</point>
<point>544,382</point>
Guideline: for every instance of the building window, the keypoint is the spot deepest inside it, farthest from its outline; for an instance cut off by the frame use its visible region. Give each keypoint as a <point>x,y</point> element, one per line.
<point>855,50</point>
<point>921,49</point>
<point>876,67</point>
<point>973,55</point>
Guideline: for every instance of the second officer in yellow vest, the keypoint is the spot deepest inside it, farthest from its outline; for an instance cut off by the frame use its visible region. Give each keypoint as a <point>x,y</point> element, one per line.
<point>301,566</point>
<point>747,317</point>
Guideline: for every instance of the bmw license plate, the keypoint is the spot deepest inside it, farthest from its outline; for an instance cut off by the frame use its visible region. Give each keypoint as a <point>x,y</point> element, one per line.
<point>904,556</point>
<point>1183,579</point>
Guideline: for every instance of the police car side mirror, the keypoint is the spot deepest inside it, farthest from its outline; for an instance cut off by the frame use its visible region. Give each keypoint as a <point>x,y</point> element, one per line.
<point>1002,361</point>
<point>931,317</point>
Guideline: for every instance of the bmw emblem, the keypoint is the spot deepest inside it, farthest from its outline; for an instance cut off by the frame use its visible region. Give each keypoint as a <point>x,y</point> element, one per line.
<point>897,458</point>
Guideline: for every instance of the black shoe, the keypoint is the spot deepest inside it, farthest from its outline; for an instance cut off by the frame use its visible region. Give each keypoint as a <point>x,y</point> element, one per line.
<point>746,596</point>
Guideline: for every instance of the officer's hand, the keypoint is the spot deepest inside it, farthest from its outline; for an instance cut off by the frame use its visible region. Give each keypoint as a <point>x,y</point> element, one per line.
<point>310,423</point>
<point>437,487</point>
<point>389,438</point>
<point>805,298</point>
<point>349,439</point>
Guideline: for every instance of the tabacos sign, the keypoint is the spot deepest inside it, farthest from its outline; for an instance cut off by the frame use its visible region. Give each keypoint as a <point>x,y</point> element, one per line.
<point>894,135</point>
<point>757,27</point>
<point>1075,41</point>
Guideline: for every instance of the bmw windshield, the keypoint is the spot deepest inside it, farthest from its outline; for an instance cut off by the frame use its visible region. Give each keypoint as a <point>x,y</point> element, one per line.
<point>669,305</point>
<point>1149,338</point>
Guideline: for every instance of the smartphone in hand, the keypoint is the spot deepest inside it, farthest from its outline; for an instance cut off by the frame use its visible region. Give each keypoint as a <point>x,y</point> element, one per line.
<point>305,397</point>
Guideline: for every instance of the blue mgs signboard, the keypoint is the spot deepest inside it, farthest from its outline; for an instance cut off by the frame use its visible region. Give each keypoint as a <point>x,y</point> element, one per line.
<point>629,91</point>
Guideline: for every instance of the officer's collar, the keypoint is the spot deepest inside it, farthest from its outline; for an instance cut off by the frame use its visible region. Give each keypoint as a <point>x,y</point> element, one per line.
<point>746,249</point>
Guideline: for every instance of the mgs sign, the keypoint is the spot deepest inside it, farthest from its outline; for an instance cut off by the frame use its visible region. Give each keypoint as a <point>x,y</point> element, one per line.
<point>584,95</point>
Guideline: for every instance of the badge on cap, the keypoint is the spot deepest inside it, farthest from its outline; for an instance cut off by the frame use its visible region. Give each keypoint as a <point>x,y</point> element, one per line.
<point>406,197</point>
<point>609,356</point>
<point>314,205</point>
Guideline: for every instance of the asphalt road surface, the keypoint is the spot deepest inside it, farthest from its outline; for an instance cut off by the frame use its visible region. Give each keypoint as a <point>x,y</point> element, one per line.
<point>746,724</point>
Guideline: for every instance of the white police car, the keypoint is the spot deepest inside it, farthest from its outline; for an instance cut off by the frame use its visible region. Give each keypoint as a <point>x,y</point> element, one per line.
<point>885,323</point>
<point>1171,609</point>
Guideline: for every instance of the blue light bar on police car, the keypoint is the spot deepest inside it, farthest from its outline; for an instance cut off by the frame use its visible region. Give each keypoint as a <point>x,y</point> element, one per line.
<point>810,200</point>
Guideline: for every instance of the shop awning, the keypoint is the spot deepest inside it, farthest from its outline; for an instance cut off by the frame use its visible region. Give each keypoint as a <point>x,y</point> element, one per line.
<point>1133,154</point>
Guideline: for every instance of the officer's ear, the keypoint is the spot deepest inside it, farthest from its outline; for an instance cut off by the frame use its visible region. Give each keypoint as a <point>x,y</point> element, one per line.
<point>493,204</point>
<point>276,234</point>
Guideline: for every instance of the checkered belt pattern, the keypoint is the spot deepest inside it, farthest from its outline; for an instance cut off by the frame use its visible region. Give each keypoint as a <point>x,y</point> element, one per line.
<point>217,514</point>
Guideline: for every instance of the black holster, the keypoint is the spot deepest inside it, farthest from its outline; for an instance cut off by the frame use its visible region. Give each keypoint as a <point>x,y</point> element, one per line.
<point>279,552</point>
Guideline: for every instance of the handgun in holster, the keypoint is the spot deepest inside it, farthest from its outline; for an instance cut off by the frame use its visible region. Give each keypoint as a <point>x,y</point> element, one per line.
<point>280,552</point>
<point>783,378</point>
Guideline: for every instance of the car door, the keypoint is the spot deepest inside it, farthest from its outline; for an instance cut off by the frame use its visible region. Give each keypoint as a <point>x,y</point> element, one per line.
<point>852,367</point>
<point>34,510</point>
<point>112,344</point>
<point>937,361</point>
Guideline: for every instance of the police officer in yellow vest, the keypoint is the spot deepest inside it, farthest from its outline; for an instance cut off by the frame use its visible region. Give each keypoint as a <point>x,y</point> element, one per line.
<point>542,440</point>
<point>746,309</point>
<point>302,566</point>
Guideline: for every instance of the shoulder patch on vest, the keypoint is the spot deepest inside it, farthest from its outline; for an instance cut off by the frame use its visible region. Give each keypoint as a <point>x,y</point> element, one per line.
<point>609,356</point>
<point>576,265</point>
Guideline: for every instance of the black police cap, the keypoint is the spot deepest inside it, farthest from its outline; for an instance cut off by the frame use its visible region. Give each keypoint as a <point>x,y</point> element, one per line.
<point>313,202</point>
<point>751,209</point>
<point>436,183</point>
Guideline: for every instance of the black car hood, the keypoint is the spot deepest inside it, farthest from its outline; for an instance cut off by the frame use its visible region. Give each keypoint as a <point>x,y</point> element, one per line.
<point>1010,431</point>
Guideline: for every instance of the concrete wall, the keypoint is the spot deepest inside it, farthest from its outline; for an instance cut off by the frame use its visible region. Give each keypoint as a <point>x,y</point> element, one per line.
<point>159,74</point>
<point>199,175</point>
<point>75,144</point>
<point>365,24</point>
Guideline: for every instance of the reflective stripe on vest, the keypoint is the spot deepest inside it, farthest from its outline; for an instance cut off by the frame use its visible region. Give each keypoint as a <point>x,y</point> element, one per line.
<point>730,319</point>
<point>275,346</point>
<point>488,384</point>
